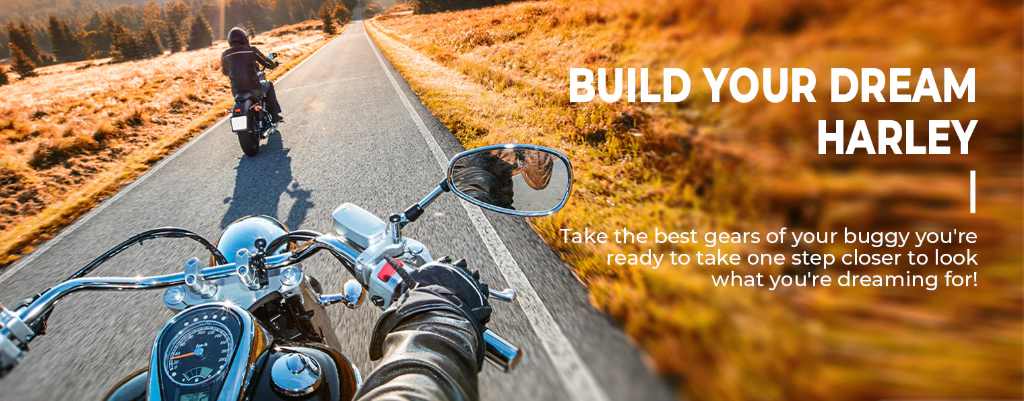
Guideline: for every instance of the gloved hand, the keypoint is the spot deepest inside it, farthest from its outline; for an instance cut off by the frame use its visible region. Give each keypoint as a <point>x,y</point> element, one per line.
<point>457,284</point>
<point>437,286</point>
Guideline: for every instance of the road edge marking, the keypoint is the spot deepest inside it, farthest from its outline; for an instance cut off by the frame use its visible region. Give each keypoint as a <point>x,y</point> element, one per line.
<point>42,248</point>
<point>577,378</point>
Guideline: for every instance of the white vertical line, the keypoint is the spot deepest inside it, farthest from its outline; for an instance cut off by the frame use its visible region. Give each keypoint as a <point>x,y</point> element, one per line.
<point>973,191</point>
<point>576,377</point>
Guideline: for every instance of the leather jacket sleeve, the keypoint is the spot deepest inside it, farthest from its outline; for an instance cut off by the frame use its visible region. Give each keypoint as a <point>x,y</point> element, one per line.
<point>265,61</point>
<point>224,66</point>
<point>429,353</point>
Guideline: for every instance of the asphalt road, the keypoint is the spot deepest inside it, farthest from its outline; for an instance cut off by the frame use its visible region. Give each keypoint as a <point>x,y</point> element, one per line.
<point>349,137</point>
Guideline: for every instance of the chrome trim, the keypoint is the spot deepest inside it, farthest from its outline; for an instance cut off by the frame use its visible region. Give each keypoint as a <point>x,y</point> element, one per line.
<point>434,193</point>
<point>493,208</point>
<point>237,288</point>
<point>295,374</point>
<point>506,295</point>
<point>352,295</point>
<point>195,281</point>
<point>48,298</point>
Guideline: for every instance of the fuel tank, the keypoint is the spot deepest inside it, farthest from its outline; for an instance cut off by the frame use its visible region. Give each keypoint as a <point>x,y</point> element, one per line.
<point>338,379</point>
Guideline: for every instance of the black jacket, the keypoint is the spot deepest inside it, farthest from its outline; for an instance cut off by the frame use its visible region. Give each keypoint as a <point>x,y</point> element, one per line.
<point>239,62</point>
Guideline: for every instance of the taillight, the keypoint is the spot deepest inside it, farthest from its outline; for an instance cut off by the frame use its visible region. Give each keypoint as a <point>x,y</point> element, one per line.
<point>238,110</point>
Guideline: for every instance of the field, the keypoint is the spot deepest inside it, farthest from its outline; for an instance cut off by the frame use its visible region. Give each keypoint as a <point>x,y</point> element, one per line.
<point>79,131</point>
<point>500,75</point>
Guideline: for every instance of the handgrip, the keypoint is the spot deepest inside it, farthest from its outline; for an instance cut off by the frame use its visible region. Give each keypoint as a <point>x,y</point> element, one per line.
<point>501,352</point>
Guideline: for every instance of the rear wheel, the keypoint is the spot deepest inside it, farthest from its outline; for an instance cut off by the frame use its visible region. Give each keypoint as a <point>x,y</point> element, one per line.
<point>249,142</point>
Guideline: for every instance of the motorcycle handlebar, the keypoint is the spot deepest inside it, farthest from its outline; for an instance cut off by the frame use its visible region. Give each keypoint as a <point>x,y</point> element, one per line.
<point>497,350</point>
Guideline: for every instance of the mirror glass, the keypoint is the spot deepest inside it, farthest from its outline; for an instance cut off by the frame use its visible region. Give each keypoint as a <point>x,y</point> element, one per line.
<point>523,180</point>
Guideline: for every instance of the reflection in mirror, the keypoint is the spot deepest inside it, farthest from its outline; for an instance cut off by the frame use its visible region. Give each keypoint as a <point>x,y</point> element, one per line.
<point>519,180</point>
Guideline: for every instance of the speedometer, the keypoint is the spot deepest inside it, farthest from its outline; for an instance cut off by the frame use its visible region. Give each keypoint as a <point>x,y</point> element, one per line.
<point>198,353</point>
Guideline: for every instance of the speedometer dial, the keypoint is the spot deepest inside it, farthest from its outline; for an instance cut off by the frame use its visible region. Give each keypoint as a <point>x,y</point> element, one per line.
<point>198,353</point>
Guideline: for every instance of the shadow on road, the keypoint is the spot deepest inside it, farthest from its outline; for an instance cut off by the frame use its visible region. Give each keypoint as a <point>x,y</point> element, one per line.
<point>259,183</point>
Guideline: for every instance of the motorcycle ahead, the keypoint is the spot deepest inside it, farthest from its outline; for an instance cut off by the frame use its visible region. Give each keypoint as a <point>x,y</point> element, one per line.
<point>249,117</point>
<point>253,326</point>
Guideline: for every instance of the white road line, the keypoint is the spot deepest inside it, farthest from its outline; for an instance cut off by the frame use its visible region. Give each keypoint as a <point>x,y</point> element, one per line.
<point>11,270</point>
<point>577,378</point>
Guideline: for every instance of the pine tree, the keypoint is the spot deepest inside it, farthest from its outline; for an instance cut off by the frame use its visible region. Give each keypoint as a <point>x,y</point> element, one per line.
<point>127,46</point>
<point>327,17</point>
<point>20,36</point>
<point>101,39</point>
<point>200,35</point>
<point>177,14</point>
<point>174,43</point>
<point>21,63</point>
<point>5,52</point>
<point>75,43</point>
<point>151,45</point>
<point>57,38</point>
<point>66,45</point>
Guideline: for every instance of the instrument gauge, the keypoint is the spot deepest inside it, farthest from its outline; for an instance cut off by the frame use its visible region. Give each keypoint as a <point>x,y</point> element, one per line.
<point>200,352</point>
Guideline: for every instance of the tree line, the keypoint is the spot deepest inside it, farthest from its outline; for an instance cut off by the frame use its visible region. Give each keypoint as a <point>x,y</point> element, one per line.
<point>143,31</point>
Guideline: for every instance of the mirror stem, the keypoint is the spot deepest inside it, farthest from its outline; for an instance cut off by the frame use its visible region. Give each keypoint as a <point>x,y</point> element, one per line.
<point>416,210</point>
<point>395,223</point>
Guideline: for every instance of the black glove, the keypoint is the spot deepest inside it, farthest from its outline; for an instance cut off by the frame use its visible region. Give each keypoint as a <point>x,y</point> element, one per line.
<point>437,286</point>
<point>457,284</point>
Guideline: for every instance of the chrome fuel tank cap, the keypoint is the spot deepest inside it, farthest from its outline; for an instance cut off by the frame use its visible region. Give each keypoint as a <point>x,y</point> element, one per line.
<point>295,374</point>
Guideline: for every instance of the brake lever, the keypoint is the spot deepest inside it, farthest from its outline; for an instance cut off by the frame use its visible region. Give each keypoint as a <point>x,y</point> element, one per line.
<point>506,295</point>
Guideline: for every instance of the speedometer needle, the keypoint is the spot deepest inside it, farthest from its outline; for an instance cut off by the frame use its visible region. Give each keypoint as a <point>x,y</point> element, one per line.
<point>177,357</point>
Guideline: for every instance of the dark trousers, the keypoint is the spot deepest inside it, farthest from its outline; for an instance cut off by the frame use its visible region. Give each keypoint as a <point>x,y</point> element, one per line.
<point>272,105</point>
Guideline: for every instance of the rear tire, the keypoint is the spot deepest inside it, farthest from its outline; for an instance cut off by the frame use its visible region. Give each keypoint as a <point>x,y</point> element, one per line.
<point>249,142</point>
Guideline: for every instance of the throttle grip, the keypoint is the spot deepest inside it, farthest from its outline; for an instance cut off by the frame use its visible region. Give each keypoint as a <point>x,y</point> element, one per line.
<point>500,351</point>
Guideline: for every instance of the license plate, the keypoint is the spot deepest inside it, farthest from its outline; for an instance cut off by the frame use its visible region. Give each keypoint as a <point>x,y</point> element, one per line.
<point>240,123</point>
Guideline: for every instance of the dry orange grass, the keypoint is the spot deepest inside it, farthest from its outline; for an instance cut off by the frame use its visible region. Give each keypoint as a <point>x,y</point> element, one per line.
<point>500,74</point>
<point>80,130</point>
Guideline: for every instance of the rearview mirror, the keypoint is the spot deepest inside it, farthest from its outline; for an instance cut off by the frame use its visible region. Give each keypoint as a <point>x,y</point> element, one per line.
<point>520,180</point>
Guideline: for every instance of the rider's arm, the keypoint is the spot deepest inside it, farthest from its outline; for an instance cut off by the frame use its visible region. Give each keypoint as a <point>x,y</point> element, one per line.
<point>265,61</point>
<point>431,354</point>
<point>430,341</point>
<point>224,66</point>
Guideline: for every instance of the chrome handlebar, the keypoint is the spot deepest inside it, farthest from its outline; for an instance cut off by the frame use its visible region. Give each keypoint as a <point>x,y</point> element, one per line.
<point>15,335</point>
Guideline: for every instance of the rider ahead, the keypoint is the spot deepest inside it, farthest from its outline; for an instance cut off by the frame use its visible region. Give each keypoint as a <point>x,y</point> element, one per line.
<point>239,63</point>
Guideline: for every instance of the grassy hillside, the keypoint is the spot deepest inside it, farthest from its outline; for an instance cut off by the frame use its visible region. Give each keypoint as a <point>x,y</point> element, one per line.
<point>19,9</point>
<point>79,131</point>
<point>500,75</point>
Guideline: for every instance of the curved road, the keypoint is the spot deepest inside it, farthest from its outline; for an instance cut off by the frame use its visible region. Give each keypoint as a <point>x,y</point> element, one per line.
<point>354,133</point>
